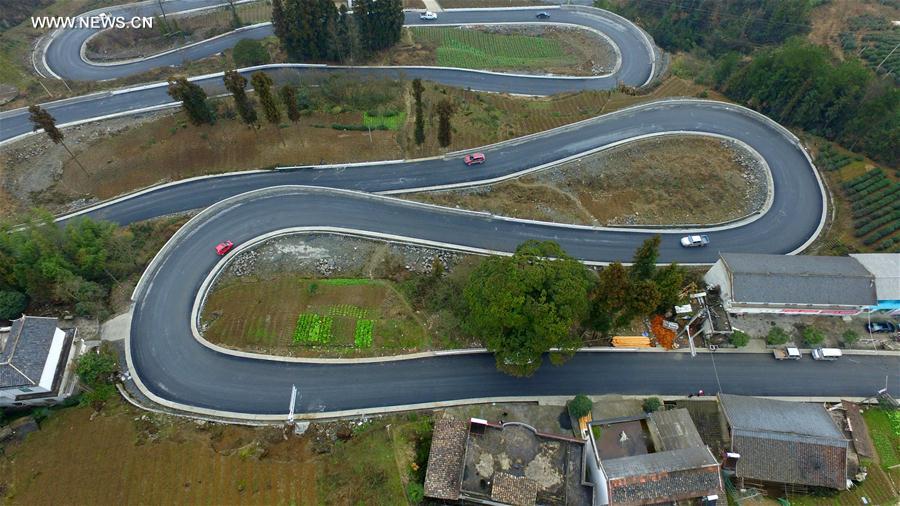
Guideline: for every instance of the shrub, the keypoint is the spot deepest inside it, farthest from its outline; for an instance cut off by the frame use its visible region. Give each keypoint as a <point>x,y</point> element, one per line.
<point>652,404</point>
<point>777,336</point>
<point>813,336</point>
<point>415,492</point>
<point>12,304</point>
<point>850,336</point>
<point>580,406</point>
<point>249,52</point>
<point>97,368</point>
<point>739,339</point>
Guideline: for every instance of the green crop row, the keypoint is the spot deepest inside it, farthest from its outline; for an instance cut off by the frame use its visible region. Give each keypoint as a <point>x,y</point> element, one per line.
<point>882,233</point>
<point>866,184</point>
<point>863,178</point>
<point>876,196</point>
<point>313,329</point>
<point>831,160</point>
<point>874,224</point>
<point>888,243</point>
<point>873,213</point>
<point>883,199</point>
<point>347,310</point>
<point>362,336</point>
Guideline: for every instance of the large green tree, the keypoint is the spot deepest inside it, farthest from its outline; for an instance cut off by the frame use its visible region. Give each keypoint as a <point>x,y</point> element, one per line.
<point>524,305</point>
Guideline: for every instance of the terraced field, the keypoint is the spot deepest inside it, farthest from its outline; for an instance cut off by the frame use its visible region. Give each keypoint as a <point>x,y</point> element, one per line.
<point>478,49</point>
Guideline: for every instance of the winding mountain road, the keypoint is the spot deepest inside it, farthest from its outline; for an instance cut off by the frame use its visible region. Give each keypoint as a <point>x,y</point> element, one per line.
<point>173,367</point>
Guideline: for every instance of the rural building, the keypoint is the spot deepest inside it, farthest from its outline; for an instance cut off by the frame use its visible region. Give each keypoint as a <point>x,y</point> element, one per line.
<point>34,362</point>
<point>479,462</point>
<point>786,284</point>
<point>886,269</point>
<point>784,443</point>
<point>672,464</point>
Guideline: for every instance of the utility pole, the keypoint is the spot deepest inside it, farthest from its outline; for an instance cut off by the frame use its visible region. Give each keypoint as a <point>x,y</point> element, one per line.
<point>294,393</point>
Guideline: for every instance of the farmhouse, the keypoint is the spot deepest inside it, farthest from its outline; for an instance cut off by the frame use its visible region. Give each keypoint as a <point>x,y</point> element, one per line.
<point>785,284</point>
<point>783,442</point>
<point>672,464</point>
<point>34,359</point>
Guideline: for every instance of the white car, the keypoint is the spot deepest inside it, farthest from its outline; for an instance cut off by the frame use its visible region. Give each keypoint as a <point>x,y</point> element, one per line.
<point>694,241</point>
<point>427,16</point>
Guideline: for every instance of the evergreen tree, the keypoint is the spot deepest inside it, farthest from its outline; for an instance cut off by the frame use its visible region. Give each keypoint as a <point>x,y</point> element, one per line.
<point>644,263</point>
<point>235,83</point>
<point>193,100</point>
<point>41,118</point>
<point>279,20</point>
<point>289,97</point>
<point>419,133</point>
<point>445,111</point>
<point>262,84</point>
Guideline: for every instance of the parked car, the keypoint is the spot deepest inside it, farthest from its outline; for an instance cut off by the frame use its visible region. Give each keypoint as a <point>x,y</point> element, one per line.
<point>881,327</point>
<point>543,15</point>
<point>789,353</point>
<point>428,16</point>
<point>826,354</point>
<point>224,247</point>
<point>694,241</point>
<point>474,158</point>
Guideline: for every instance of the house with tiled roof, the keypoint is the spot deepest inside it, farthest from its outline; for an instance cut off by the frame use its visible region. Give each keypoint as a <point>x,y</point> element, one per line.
<point>784,442</point>
<point>785,284</point>
<point>674,466</point>
<point>35,355</point>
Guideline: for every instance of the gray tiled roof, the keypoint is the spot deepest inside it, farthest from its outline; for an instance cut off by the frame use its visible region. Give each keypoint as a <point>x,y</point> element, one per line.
<point>797,420</point>
<point>674,429</point>
<point>23,357</point>
<point>443,475</point>
<point>788,461</point>
<point>787,279</point>
<point>654,477</point>
<point>785,442</point>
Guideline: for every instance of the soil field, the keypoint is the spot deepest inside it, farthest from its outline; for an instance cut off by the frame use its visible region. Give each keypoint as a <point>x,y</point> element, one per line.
<point>112,45</point>
<point>123,455</point>
<point>667,181</point>
<point>295,316</point>
<point>537,49</point>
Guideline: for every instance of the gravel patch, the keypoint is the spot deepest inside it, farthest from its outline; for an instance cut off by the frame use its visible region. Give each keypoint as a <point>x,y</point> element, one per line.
<point>331,255</point>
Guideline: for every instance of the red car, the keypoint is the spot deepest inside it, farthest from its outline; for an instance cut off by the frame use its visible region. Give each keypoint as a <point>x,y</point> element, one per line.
<point>224,247</point>
<point>474,158</point>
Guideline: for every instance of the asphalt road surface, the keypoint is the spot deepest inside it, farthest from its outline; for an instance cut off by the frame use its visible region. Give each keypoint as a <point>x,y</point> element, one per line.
<point>173,366</point>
